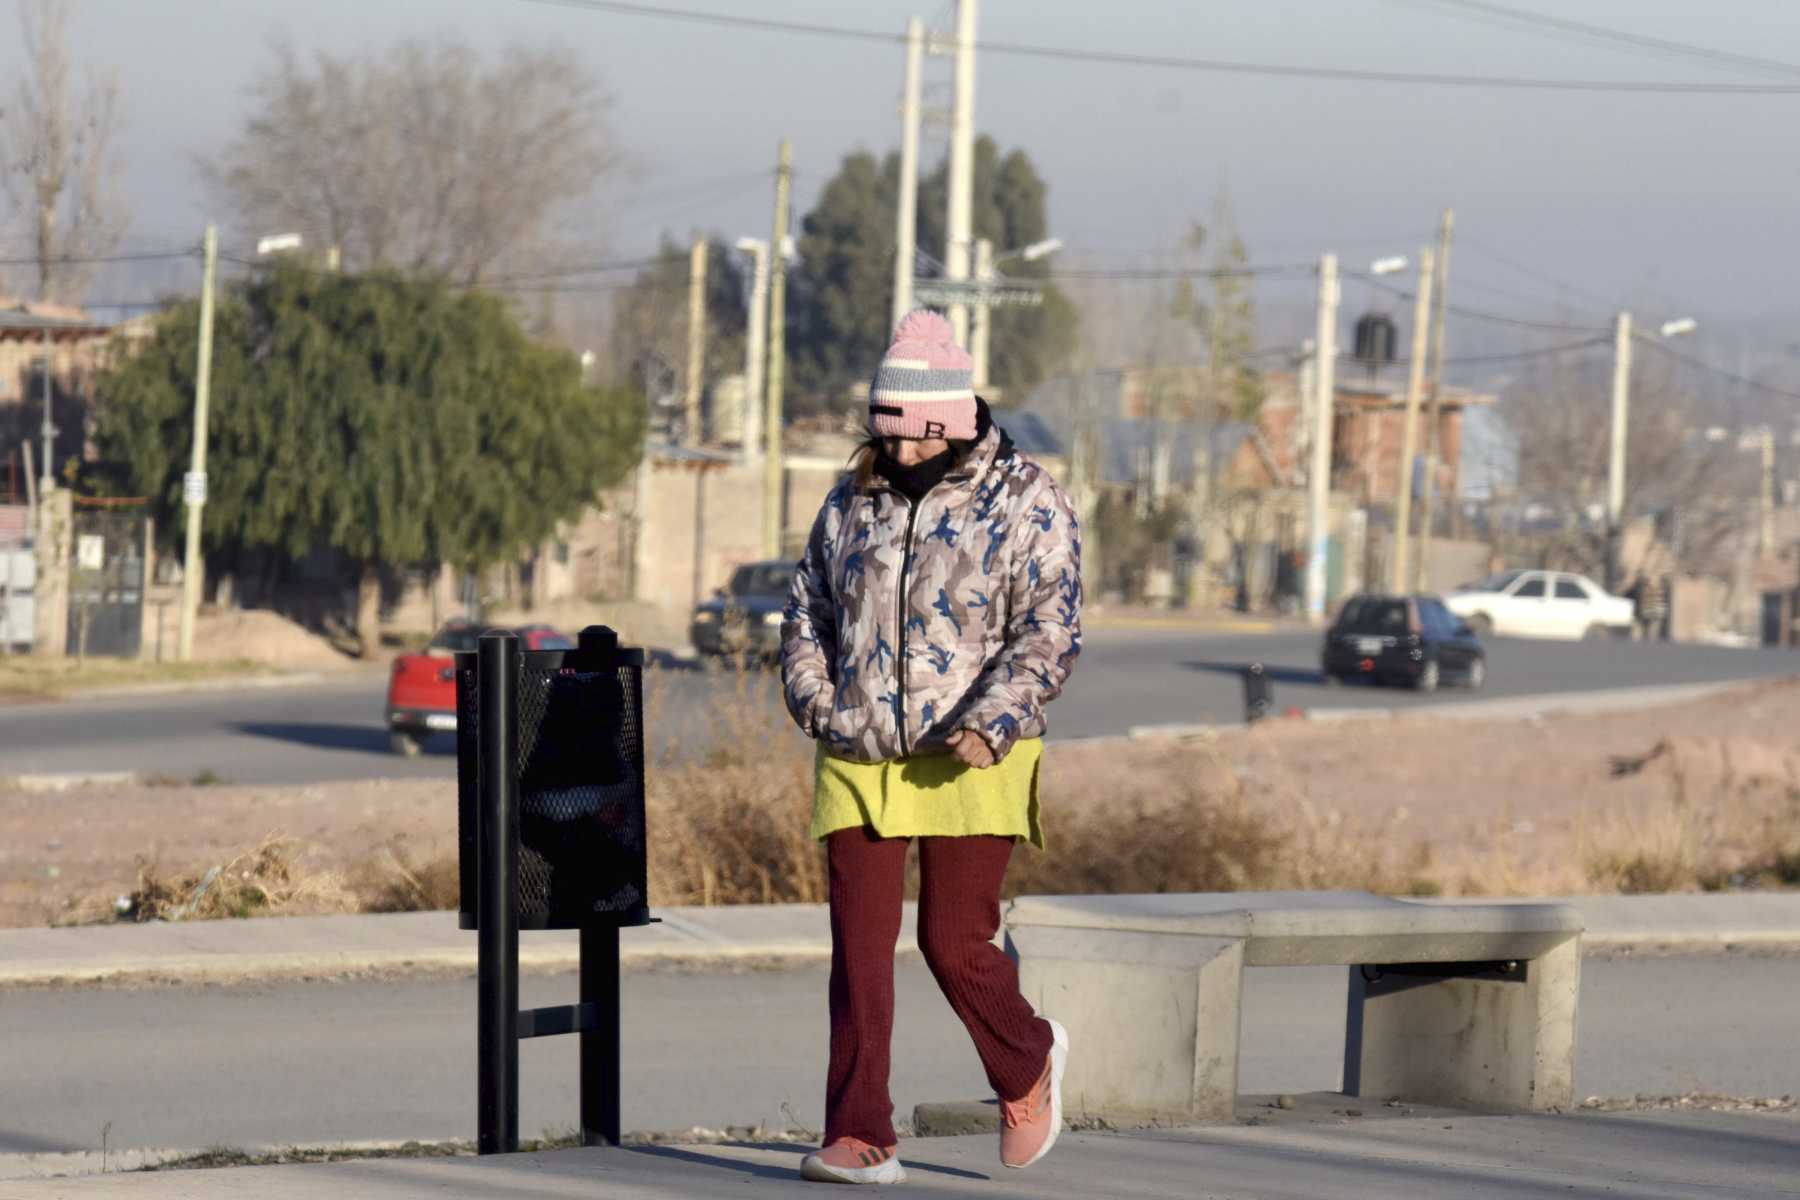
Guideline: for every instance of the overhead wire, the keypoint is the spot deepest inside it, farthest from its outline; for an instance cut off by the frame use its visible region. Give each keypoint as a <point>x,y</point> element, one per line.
<point>94,259</point>
<point>1529,20</point>
<point>1475,314</point>
<point>1174,62</point>
<point>1662,348</point>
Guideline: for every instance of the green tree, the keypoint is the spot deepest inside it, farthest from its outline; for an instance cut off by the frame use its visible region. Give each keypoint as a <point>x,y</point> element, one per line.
<point>1011,209</point>
<point>396,421</point>
<point>650,321</point>
<point>840,292</point>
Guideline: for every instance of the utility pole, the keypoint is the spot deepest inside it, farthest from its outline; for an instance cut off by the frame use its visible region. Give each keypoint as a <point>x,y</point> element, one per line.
<point>906,222</point>
<point>1615,473</point>
<point>1766,528</point>
<point>1435,420</point>
<point>984,314</point>
<point>1415,383</point>
<point>773,477</point>
<point>696,355</point>
<point>958,227</point>
<point>194,486</point>
<point>49,428</point>
<point>755,343</point>
<point>1324,405</point>
<point>1302,439</point>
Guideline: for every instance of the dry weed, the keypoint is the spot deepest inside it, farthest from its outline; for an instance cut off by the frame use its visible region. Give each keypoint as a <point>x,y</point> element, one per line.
<point>393,882</point>
<point>267,880</point>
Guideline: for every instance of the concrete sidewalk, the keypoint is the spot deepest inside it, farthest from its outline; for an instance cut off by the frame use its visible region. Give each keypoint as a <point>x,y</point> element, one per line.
<point>224,951</point>
<point>1320,1153</point>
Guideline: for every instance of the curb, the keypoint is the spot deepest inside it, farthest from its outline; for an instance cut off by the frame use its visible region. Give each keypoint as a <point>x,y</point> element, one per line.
<point>65,780</point>
<point>559,957</point>
<point>261,968</point>
<point>222,684</point>
<point>1503,708</point>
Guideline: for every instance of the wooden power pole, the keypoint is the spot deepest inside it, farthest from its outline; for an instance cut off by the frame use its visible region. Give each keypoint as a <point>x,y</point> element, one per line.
<point>1409,439</point>
<point>773,469</point>
<point>696,347</point>
<point>193,488</point>
<point>1428,486</point>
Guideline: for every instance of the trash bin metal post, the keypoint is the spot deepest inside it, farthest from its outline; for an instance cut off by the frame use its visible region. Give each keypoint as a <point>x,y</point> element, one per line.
<point>1258,699</point>
<point>497,680</point>
<point>600,1039</point>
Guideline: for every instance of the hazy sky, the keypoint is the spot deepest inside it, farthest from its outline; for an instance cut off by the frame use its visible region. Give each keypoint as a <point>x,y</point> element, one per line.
<point>1683,203</point>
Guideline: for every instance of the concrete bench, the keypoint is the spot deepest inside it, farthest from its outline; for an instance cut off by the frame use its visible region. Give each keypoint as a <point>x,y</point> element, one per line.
<point>1457,1004</point>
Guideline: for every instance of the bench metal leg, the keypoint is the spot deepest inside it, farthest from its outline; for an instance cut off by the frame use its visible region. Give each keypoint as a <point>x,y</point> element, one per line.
<point>1152,1019</point>
<point>1490,1035</point>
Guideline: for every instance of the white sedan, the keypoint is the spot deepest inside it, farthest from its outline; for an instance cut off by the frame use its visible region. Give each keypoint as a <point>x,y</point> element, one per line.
<point>1542,604</point>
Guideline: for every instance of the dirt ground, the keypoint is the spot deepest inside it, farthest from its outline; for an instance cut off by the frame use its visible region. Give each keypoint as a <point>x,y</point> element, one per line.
<point>1558,805</point>
<point>257,635</point>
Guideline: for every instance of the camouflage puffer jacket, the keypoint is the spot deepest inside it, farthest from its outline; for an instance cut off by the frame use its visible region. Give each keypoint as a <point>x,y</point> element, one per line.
<point>907,622</point>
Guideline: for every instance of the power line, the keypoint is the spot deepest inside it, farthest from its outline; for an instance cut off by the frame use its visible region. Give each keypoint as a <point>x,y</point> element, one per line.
<point>1475,314</point>
<point>1662,348</point>
<point>1171,62</point>
<point>1505,15</point>
<point>1489,252</point>
<point>1125,273</point>
<point>78,260</point>
<point>1482,360</point>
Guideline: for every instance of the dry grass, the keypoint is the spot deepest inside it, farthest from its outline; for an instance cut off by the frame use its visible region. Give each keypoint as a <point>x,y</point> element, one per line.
<point>391,881</point>
<point>267,880</point>
<point>1247,811</point>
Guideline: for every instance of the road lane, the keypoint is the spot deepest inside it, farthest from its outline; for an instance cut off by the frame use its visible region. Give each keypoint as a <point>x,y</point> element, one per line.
<point>320,732</point>
<point>308,1063</point>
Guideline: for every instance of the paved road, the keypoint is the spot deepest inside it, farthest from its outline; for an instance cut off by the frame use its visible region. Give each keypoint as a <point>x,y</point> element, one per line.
<point>1126,678</point>
<point>307,1063</point>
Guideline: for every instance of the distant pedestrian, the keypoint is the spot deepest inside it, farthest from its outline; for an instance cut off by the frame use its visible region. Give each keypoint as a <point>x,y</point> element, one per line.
<point>936,611</point>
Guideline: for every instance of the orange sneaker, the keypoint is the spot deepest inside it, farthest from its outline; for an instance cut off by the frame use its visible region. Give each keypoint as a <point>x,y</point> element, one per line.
<point>852,1160</point>
<point>1029,1125</point>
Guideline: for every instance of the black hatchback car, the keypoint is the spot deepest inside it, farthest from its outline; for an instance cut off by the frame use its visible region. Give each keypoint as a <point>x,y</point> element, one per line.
<point>744,617</point>
<point>1413,640</point>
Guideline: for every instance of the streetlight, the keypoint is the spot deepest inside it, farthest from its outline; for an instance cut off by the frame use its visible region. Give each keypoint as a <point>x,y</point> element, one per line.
<point>1621,406</point>
<point>985,259</point>
<point>277,243</point>
<point>1391,265</point>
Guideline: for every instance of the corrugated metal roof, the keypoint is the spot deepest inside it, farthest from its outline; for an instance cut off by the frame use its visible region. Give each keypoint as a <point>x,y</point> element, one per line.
<point>20,320</point>
<point>1029,432</point>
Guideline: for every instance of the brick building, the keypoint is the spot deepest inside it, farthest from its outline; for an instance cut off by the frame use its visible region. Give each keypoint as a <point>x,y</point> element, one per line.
<point>1368,432</point>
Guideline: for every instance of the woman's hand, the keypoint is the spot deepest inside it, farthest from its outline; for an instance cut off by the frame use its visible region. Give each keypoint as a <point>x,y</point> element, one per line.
<point>971,748</point>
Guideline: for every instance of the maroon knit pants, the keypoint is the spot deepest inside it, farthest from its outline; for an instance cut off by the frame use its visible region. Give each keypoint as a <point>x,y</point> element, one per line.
<point>959,912</point>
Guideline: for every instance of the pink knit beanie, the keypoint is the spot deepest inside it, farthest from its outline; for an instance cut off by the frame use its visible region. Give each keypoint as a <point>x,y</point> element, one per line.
<point>925,386</point>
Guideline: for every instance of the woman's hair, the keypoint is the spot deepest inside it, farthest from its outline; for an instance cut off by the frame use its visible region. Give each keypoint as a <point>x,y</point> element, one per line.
<point>862,459</point>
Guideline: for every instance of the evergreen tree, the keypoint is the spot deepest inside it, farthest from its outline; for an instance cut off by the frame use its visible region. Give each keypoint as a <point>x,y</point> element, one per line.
<point>396,421</point>
<point>840,292</point>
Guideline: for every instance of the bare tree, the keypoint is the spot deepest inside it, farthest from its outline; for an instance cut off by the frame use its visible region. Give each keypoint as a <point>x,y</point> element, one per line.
<point>425,157</point>
<point>57,166</point>
<point>1563,421</point>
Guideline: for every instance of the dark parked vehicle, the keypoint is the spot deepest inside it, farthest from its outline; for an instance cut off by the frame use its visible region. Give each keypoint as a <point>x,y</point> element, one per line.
<point>744,617</point>
<point>1403,639</point>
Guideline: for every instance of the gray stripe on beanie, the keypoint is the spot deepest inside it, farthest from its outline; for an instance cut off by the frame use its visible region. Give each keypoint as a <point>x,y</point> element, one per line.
<point>889,378</point>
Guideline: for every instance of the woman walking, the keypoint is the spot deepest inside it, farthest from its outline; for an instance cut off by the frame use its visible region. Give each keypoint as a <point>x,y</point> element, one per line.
<point>936,611</point>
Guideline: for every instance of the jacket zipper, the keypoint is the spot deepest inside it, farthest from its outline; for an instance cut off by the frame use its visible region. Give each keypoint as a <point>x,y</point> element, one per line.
<point>912,515</point>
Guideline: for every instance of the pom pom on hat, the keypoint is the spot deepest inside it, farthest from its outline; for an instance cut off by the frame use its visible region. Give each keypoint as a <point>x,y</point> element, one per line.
<point>925,386</point>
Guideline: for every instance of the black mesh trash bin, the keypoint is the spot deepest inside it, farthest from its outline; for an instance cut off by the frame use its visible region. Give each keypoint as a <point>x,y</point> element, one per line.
<point>580,793</point>
<point>550,816</point>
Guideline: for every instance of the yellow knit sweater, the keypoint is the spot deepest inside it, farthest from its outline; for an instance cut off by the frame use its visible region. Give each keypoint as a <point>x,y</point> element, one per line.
<point>931,795</point>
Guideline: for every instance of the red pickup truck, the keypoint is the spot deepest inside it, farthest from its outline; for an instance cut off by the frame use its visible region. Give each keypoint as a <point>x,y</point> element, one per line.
<point>421,695</point>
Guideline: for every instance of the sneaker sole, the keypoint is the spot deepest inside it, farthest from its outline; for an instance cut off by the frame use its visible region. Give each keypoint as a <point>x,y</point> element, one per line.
<point>817,1171</point>
<point>1059,1059</point>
